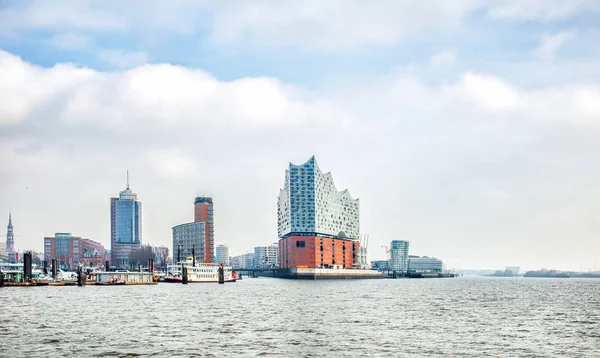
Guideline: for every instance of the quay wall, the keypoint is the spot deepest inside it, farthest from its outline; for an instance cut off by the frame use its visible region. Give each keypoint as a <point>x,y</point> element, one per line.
<point>327,274</point>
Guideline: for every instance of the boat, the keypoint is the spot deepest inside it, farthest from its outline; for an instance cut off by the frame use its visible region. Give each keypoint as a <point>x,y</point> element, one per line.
<point>201,272</point>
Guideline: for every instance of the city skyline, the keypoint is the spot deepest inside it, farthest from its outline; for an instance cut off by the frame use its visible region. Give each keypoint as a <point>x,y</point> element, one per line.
<point>468,129</point>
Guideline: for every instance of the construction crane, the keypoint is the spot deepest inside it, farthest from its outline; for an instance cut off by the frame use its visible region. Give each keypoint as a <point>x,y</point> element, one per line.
<point>387,252</point>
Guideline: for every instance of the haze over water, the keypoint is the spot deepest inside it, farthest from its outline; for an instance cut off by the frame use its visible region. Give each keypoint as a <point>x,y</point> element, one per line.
<point>471,317</point>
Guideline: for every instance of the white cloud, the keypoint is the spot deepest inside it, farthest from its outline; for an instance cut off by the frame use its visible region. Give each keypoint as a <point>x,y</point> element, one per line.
<point>65,15</point>
<point>123,59</point>
<point>70,41</point>
<point>552,43</point>
<point>181,132</point>
<point>310,24</point>
<point>487,92</point>
<point>171,163</point>
<point>443,59</point>
<point>333,24</point>
<point>545,10</point>
<point>153,95</point>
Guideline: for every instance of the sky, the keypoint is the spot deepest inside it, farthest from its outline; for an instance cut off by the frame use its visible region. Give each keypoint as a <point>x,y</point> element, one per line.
<point>470,128</point>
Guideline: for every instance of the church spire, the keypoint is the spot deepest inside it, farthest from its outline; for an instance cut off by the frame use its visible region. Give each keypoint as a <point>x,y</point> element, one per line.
<point>9,219</point>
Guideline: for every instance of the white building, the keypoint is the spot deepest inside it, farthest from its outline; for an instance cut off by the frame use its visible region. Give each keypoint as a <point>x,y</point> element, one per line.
<point>309,203</point>
<point>222,255</point>
<point>425,264</point>
<point>235,261</point>
<point>265,256</point>
<point>399,255</point>
<point>245,261</point>
<point>248,260</point>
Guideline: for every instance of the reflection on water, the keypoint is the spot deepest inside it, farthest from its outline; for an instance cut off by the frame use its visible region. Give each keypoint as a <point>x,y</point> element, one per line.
<point>475,317</point>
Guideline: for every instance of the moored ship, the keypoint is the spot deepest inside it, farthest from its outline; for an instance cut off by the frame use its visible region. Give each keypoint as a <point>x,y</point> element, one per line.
<point>201,272</point>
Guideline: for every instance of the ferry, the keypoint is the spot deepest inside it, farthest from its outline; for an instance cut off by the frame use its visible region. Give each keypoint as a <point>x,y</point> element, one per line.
<point>202,272</point>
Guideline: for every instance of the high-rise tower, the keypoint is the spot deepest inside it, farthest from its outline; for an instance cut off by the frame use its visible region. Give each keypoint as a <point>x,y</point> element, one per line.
<point>10,240</point>
<point>126,226</point>
<point>203,212</point>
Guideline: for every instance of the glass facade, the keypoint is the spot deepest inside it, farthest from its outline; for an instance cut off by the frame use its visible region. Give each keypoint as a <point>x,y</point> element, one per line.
<point>399,255</point>
<point>222,254</point>
<point>126,227</point>
<point>309,203</point>
<point>185,236</point>
<point>62,247</point>
<point>128,221</point>
<point>425,264</point>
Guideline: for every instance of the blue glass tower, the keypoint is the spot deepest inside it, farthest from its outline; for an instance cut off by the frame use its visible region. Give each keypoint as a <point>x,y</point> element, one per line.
<point>126,226</point>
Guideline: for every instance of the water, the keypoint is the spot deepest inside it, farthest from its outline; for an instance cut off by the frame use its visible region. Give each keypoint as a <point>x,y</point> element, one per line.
<point>470,317</point>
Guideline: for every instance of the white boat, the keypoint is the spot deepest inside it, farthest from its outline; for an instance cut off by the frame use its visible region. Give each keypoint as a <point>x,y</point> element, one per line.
<point>202,272</point>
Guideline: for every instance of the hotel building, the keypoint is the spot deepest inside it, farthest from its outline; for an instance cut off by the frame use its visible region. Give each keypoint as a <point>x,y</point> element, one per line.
<point>318,225</point>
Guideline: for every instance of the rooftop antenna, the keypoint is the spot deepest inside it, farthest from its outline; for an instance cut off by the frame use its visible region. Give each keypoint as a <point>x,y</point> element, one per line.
<point>128,179</point>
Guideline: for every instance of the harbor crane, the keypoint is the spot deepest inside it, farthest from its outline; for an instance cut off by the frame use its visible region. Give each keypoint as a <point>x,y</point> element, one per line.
<point>387,252</point>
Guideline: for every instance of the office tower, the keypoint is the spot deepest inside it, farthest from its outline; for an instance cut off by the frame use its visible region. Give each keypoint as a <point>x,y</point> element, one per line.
<point>10,241</point>
<point>126,226</point>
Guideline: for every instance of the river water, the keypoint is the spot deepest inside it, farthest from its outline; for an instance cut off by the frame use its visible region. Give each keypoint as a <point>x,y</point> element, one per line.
<point>470,317</point>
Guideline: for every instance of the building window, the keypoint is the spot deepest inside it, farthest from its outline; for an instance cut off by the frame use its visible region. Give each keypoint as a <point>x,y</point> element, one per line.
<point>300,243</point>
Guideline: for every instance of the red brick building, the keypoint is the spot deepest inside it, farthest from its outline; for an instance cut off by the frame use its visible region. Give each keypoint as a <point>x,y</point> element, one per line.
<point>71,251</point>
<point>317,251</point>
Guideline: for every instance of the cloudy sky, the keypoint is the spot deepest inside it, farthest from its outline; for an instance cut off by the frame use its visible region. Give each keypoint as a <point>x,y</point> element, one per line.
<point>470,128</point>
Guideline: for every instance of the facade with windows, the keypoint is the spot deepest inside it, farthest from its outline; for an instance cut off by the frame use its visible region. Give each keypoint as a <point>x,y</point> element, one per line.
<point>399,255</point>
<point>309,203</point>
<point>73,251</point>
<point>235,261</point>
<point>200,233</point>
<point>126,226</point>
<point>265,256</point>
<point>10,241</point>
<point>244,261</point>
<point>425,264</point>
<point>380,265</point>
<point>318,225</point>
<point>204,212</point>
<point>222,255</point>
<point>188,241</point>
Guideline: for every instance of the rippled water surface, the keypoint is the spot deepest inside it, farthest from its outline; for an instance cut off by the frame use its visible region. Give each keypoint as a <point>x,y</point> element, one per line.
<point>472,317</point>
